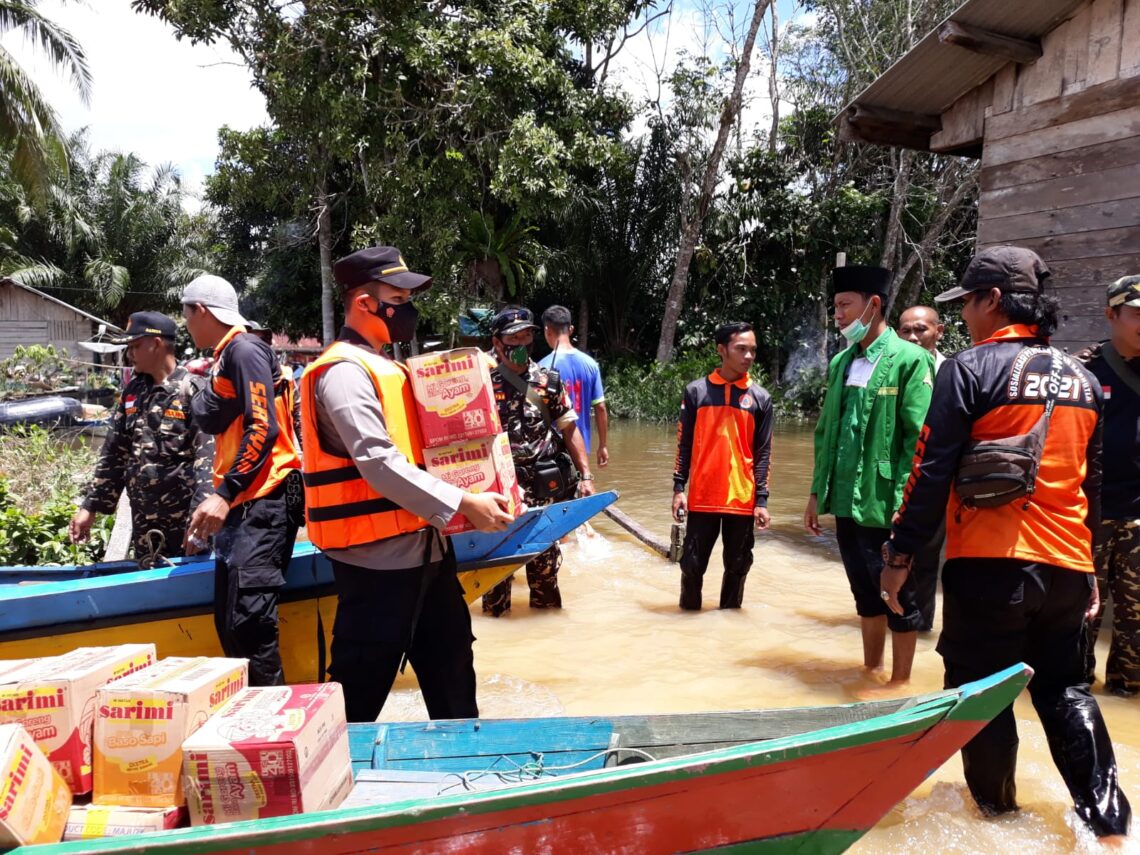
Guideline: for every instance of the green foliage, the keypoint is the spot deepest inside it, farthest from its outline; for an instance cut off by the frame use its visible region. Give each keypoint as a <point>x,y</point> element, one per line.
<point>36,368</point>
<point>38,491</point>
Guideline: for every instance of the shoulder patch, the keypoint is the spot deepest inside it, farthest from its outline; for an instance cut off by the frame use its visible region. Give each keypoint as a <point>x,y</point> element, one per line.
<point>746,401</point>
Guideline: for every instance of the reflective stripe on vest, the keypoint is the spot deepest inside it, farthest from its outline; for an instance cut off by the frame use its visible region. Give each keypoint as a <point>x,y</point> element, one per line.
<point>343,509</point>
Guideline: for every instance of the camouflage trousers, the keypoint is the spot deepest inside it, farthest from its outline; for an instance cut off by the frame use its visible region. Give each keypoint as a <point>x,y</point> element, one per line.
<point>541,576</point>
<point>1118,577</point>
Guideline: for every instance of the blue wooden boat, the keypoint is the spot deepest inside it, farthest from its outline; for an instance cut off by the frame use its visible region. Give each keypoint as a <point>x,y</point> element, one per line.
<point>51,610</point>
<point>810,780</point>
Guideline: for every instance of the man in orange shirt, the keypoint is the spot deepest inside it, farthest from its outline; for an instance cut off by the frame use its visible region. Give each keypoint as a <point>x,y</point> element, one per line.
<point>724,443</point>
<point>256,508</point>
<point>1018,581</point>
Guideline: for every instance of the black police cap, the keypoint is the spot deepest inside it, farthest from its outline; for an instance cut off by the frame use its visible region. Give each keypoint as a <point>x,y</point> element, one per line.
<point>378,264</point>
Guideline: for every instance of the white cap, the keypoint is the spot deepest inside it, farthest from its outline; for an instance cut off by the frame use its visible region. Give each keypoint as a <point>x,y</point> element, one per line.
<point>217,295</point>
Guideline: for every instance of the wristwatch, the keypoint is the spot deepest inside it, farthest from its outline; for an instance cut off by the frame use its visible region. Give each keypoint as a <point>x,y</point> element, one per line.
<point>587,477</point>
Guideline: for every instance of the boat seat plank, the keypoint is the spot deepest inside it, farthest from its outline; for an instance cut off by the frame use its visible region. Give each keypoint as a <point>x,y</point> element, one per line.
<point>384,786</point>
<point>464,746</point>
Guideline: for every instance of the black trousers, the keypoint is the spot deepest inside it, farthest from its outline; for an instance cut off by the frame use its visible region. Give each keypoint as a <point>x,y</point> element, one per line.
<point>252,552</point>
<point>927,563</point>
<point>737,539</point>
<point>374,629</point>
<point>861,548</point>
<point>996,613</point>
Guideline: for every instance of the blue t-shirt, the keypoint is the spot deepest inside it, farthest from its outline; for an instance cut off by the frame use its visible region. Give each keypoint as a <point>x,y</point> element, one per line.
<point>583,380</point>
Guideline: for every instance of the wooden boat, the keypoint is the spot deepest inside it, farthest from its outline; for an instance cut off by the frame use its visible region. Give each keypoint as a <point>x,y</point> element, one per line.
<point>775,781</point>
<point>51,610</point>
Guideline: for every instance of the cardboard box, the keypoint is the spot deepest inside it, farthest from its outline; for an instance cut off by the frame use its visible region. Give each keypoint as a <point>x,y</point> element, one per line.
<point>54,699</point>
<point>34,799</point>
<point>476,466</point>
<point>272,751</point>
<point>454,397</point>
<point>85,822</point>
<point>142,720</point>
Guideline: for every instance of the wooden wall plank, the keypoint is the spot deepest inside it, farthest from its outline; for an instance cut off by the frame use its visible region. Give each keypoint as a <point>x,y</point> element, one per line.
<point>1069,192</point>
<point>1117,125</point>
<point>1091,273</point>
<point>1104,41</point>
<point>1086,218</point>
<point>1130,40</point>
<point>1108,242</point>
<point>964,123</point>
<point>1077,51</point>
<point>1043,80</point>
<point>1005,84</point>
<point>1092,101</point>
<point>1093,158</point>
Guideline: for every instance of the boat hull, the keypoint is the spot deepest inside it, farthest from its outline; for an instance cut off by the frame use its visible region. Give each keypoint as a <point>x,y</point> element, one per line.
<point>52,610</point>
<point>814,791</point>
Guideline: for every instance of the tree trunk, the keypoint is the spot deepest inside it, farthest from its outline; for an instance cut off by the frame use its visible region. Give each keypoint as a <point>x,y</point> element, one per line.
<point>583,324</point>
<point>325,243</point>
<point>899,193</point>
<point>773,80</point>
<point>692,228</point>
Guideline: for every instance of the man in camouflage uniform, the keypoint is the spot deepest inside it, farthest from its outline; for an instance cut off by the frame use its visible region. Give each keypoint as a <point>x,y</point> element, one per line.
<point>153,448</point>
<point>1116,364</point>
<point>537,439</point>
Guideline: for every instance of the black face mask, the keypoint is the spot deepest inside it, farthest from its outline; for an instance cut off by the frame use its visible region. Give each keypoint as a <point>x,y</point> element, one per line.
<point>400,318</point>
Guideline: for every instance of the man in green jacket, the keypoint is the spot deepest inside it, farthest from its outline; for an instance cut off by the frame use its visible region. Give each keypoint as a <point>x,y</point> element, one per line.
<point>877,394</point>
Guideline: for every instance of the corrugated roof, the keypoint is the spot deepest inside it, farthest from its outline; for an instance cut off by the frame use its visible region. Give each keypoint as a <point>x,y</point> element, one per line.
<point>110,326</point>
<point>929,78</point>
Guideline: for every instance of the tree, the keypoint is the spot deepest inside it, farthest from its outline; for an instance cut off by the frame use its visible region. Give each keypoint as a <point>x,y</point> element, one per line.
<point>692,219</point>
<point>29,128</point>
<point>408,115</point>
<point>112,237</point>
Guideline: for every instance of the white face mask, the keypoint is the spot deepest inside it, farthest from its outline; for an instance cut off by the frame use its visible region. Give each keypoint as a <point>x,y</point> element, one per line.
<point>857,330</point>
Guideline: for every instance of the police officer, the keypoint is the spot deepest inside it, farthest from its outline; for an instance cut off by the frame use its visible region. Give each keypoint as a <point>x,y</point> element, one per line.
<point>1018,580</point>
<point>254,511</point>
<point>153,448</point>
<point>375,512</point>
<point>540,422</point>
<point>1116,364</point>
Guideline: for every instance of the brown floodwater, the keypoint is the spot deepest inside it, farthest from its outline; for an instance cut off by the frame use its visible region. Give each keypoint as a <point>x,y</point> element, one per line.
<point>621,645</point>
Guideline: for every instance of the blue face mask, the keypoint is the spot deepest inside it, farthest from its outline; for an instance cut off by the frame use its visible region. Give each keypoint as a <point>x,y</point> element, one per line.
<point>857,330</point>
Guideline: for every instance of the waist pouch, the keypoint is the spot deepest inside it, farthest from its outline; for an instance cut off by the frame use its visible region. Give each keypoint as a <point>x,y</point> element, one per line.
<point>555,478</point>
<point>996,472</point>
<point>295,498</point>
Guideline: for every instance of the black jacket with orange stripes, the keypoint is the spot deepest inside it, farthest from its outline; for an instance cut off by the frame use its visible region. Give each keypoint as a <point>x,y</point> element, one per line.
<point>993,390</point>
<point>724,442</point>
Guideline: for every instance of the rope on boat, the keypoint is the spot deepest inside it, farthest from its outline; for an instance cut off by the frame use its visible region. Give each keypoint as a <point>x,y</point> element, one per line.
<point>532,770</point>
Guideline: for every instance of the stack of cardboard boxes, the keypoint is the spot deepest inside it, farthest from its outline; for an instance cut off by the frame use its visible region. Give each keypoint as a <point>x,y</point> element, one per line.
<point>145,737</point>
<point>464,443</point>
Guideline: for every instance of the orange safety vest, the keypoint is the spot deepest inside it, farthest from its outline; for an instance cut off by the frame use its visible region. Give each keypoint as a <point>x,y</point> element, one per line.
<point>283,458</point>
<point>343,509</point>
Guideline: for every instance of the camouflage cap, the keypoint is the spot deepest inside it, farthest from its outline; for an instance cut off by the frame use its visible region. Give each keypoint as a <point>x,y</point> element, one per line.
<point>1125,291</point>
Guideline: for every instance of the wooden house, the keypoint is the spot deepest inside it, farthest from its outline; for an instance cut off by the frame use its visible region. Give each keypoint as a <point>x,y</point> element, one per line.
<point>28,316</point>
<point>1047,94</point>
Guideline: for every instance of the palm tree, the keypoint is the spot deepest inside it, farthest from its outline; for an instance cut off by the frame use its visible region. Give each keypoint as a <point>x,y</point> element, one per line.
<point>29,127</point>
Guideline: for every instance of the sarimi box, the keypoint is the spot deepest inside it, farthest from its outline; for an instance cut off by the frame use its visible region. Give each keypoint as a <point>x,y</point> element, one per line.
<point>454,397</point>
<point>142,720</point>
<point>54,699</point>
<point>34,799</point>
<point>477,465</point>
<point>271,751</point>
<point>86,822</point>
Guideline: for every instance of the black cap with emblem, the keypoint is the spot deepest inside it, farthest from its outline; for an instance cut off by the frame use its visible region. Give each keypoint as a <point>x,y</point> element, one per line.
<point>378,264</point>
<point>142,324</point>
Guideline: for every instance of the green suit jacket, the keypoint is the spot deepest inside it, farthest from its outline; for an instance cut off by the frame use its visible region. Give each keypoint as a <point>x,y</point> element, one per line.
<point>897,396</point>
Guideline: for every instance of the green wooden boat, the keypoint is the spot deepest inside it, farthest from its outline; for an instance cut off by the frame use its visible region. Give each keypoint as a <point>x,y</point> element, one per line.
<point>770,781</point>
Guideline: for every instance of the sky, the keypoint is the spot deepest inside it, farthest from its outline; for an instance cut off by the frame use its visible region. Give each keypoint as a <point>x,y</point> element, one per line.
<point>165,100</point>
<point>151,94</point>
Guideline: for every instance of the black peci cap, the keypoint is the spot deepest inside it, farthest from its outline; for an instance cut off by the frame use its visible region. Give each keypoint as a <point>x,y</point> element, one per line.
<point>866,279</point>
<point>143,324</point>
<point>378,264</point>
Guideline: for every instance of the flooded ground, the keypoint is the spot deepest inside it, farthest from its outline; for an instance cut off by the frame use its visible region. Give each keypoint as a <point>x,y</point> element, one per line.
<point>621,645</point>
